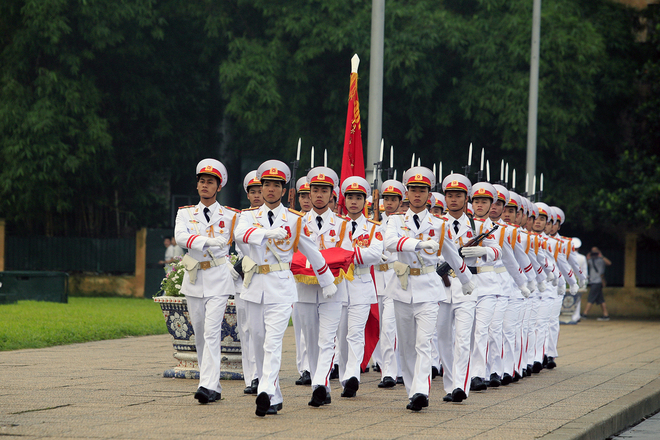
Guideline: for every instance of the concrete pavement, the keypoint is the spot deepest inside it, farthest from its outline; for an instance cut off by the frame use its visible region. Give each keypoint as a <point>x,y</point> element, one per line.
<point>607,378</point>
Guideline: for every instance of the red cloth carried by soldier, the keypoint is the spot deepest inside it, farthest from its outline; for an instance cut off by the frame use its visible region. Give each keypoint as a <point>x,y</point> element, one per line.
<point>340,262</point>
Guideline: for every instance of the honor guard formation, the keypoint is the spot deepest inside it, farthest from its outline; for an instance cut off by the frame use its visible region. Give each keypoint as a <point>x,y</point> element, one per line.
<point>466,284</point>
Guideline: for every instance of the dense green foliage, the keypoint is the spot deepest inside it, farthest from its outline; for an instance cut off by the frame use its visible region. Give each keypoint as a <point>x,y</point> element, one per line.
<point>35,324</point>
<point>106,106</point>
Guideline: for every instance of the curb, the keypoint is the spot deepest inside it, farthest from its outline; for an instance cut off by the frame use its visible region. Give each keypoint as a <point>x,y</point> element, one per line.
<point>613,417</point>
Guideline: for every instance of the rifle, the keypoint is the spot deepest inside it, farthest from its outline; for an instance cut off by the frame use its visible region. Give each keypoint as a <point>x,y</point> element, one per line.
<point>444,268</point>
<point>292,182</point>
<point>376,205</point>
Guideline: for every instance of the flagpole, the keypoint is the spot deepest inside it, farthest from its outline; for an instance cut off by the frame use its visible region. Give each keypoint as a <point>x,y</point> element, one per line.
<point>532,120</point>
<point>375,120</point>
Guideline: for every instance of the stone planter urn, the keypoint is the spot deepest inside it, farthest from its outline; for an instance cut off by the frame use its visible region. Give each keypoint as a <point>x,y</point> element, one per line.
<point>177,319</point>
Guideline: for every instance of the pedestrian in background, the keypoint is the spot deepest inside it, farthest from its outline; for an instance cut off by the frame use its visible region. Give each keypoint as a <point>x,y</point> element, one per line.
<point>597,263</point>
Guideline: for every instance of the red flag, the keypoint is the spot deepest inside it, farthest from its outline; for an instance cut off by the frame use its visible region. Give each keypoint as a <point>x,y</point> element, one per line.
<point>352,163</point>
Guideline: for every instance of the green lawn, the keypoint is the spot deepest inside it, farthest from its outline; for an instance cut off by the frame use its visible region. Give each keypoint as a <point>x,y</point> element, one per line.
<point>37,324</point>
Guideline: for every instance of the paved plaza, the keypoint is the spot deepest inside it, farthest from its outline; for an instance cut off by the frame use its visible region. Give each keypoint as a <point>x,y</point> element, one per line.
<point>607,378</point>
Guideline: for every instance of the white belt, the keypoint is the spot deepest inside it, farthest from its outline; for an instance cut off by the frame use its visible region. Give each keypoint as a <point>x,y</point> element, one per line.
<point>192,265</point>
<point>266,268</point>
<point>500,269</point>
<point>362,270</point>
<point>421,270</point>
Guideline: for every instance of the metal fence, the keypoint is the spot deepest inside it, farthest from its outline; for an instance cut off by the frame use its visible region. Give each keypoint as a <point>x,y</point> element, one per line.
<point>101,255</point>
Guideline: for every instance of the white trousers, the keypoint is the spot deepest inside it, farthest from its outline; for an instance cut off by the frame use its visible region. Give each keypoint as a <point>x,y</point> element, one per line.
<point>553,327</point>
<point>483,316</point>
<point>302,361</point>
<point>454,327</point>
<point>320,322</point>
<point>206,315</point>
<point>247,351</point>
<point>386,352</point>
<point>350,339</point>
<point>414,327</point>
<point>541,326</point>
<point>512,333</point>
<point>530,344</point>
<point>268,323</point>
<point>578,308</point>
<point>494,352</point>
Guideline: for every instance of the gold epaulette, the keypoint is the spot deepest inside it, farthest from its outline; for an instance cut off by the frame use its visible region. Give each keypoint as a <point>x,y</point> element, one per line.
<point>298,213</point>
<point>187,206</point>
<point>233,209</point>
<point>374,222</point>
<point>250,209</point>
<point>440,217</point>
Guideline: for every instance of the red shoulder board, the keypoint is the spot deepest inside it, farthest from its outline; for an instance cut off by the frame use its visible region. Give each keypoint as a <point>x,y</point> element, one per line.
<point>298,213</point>
<point>379,236</point>
<point>250,209</point>
<point>233,209</point>
<point>187,206</point>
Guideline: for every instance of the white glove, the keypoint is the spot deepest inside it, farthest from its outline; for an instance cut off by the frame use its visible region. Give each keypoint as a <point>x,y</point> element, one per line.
<point>384,258</point>
<point>525,291</point>
<point>329,291</point>
<point>550,277</point>
<point>429,244</point>
<point>277,234</point>
<point>217,241</point>
<point>542,286</point>
<point>554,282</point>
<point>468,287</point>
<point>531,285</point>
<point>473,251</point>
<point>233,273</point>
<point>574,289</point>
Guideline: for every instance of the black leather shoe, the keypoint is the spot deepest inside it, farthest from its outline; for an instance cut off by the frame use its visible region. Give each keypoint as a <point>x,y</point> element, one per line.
<point>551,363</point>
<point>328,399</point>
<point>247,390</point>
<point>399,380</point>
<point>376,368</point>
<point>254,385</point>
<point>204,395</point>
<point>516,377</point>
<point>442,371</point>
<point>434,372</point>
<point>524,373</point>
<point>545,360</point>
<point>351,387</point>
<point>506,379</point>
<point>365,369</point>
<point>448,398</point>
<point>417,402</point>
<point>477,384</point>
<point>334,374</point>
<point>495,380</point>
<point>263,404</point>
<point>537,367</point>
<point>273,409</point>
<point>458,395</point>
<point>529,370</point>
<point>305,379</point>
<point>318,397</point>
<point>387,382</point>
<point>487,382</point>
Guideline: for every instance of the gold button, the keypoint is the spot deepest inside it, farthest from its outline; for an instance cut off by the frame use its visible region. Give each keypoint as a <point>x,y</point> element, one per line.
<point>265,259</point>
<point>205,255</point>
<point>414,262</point>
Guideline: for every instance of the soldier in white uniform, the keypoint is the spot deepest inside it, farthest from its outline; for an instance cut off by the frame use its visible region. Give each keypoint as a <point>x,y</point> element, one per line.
<point>514,287</point>
<point>320,309</point>
<point>252,187</point>
<point>206,231</point>
<point>456,312</point>
<point>419,238</point>
<point>367,240</point>
<point>386,353</point>
<point>483,195</point>
<point>273,234</point>
<point>302,360</point>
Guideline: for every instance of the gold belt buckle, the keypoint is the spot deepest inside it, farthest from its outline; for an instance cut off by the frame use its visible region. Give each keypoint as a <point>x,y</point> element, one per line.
<point>264,269</point>
<point>204,265</point>
<point>478,269</point>
<point>415,271</point>
<point>383,267</point>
